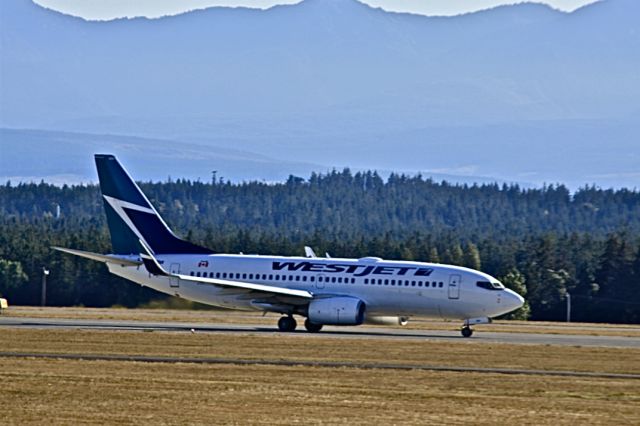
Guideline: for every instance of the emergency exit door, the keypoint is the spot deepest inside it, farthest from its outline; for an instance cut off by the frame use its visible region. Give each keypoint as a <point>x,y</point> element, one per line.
<point>454,286</point>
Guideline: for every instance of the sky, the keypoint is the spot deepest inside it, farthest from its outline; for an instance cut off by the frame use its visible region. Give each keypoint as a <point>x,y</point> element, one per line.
<point>111,9</point>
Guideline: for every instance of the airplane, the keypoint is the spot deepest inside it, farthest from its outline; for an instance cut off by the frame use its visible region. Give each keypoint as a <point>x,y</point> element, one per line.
<point>325,291</point>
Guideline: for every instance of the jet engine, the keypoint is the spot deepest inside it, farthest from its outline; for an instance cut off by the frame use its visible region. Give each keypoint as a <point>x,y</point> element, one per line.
<point>337,311</point>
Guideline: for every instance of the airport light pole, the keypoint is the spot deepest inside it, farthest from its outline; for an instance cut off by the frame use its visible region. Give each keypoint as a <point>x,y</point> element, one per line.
<point>568,307</point>
<point>43,296</point>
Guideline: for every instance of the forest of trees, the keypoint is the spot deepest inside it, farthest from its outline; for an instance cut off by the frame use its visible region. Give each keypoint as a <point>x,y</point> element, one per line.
<point>542,242</point>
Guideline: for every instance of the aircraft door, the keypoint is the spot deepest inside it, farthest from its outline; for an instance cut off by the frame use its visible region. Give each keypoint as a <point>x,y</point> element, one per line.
<point>454,286</point>
<point>175,269</point>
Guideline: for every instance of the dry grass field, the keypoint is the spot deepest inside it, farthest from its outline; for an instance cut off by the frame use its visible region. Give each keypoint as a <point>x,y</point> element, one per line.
<point>62,391</point>
<point>98,392</point>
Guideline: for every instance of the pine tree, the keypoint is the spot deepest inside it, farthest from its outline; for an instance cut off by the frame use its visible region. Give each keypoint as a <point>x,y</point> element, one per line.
<point>515,281</point>
<point>471,258</point>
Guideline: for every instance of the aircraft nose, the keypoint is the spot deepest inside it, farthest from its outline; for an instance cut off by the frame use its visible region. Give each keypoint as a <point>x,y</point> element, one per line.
<point>512,299</point>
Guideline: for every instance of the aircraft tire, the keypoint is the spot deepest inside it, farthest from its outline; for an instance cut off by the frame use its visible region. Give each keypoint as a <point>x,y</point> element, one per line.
<point>466,332</point>
<point>287,324</point>
<point>311,326</point>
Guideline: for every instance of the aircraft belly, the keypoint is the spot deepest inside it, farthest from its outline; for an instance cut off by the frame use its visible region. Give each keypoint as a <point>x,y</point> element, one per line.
<point>401,302</point>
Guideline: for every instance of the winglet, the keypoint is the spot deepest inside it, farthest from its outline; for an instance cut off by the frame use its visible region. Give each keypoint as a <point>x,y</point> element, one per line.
<point>308,252</point>
<point>150,262</point>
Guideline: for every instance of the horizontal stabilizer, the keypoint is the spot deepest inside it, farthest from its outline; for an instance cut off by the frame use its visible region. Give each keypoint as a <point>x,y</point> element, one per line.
<point>106,258</point>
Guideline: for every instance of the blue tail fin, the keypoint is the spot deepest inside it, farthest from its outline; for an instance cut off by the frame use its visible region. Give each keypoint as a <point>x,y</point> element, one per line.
<point>131,217</point>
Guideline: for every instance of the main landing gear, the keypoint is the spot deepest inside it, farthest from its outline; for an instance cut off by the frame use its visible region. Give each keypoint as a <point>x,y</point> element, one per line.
<point>312,327</point>
<point>287,324</point>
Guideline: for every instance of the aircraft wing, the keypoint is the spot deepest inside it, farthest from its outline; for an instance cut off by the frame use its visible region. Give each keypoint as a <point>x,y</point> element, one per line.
<point>105,258</point>
<point>154,267</point>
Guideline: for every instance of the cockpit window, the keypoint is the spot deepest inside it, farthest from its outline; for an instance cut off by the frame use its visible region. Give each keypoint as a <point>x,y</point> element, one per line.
<point>489,285</point>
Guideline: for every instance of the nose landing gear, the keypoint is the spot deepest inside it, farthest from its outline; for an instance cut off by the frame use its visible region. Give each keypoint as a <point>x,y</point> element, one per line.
<point>466,329</point>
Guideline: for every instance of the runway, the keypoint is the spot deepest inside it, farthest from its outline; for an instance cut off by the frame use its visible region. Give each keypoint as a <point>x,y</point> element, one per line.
<point>330,332</point>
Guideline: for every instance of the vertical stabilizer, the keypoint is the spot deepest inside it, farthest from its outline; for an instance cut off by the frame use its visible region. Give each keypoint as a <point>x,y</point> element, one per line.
<point>131,217</point>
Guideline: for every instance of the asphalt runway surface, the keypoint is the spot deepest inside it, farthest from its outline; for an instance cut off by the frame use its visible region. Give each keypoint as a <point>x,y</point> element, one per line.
<point>361,332</point>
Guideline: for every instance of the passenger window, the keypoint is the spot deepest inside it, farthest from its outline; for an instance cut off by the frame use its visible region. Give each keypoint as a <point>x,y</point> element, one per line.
<point>191,273</point>
<point>333,279</point>
<point>304,278</point>
<point>270,276</point>
<point>393,282</point>
<point>441,284</point>
<point>198,274</point>
<point>340,280</point>
<point>386,282</point>
<point>366,280</point>
<point>312,278</point>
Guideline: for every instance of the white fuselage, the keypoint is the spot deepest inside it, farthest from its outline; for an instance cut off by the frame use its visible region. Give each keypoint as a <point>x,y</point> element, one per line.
<point>386,287</point>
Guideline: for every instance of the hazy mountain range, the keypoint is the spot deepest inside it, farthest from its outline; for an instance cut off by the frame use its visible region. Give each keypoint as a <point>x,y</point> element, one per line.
<point>519,93</point>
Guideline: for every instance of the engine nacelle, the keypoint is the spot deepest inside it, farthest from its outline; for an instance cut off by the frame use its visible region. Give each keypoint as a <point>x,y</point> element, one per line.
<point>337,311</point>
<point>386,320</point>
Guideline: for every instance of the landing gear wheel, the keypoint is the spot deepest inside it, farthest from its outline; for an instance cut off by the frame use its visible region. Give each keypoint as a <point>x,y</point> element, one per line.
<point>312,327</point>
<point>287,324</point>
<point>466,331</point>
